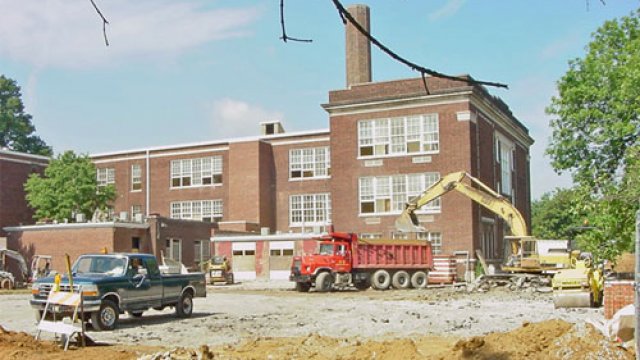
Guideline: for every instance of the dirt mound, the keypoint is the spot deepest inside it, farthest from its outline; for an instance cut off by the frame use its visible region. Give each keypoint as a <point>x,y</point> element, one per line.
<point>18,346</point>
<point>553,339</point>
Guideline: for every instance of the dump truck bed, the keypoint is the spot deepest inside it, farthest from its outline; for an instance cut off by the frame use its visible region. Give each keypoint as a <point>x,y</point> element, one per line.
<point>392,254</point>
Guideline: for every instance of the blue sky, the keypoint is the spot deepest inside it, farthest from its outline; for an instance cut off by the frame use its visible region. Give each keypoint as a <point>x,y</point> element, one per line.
<point>187,71</point>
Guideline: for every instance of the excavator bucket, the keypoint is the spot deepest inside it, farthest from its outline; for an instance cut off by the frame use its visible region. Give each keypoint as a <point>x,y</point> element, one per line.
<point>408,222</point>
<point>571,299</point>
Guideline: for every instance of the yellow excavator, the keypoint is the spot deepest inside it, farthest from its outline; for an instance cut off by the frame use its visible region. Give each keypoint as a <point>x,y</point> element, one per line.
<point>525,256</point>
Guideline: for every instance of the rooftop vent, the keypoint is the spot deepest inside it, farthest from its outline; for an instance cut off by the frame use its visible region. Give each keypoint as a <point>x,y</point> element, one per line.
<point>271,128</point>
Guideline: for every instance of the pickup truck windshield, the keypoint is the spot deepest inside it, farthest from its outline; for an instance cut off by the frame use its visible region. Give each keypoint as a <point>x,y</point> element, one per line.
<point>106,265</point>
<point>326,249</point>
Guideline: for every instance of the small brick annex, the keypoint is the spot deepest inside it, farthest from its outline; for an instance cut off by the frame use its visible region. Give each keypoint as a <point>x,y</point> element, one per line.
<point>76,239</point>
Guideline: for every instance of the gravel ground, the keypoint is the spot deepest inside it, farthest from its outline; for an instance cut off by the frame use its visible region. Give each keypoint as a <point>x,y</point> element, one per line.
<point>231,314</point>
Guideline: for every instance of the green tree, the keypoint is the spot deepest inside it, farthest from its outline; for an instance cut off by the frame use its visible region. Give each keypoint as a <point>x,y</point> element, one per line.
<point>554,215</point>
<point>16,129</point>
<point>69,187</point>
<point>596,129</point>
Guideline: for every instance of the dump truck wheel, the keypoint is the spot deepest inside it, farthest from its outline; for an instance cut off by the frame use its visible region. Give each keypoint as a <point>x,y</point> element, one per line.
<point>381,280</point>
<point>303,287</point>
<point>184,307</point>
<point>419,280</point>
<point>107,317</point>
<point>401,280</point>
<point>323,282</point>
<point>362,285</point>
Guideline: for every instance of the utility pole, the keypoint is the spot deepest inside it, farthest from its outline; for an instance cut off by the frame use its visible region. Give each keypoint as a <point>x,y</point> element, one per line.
<point>636,287</point>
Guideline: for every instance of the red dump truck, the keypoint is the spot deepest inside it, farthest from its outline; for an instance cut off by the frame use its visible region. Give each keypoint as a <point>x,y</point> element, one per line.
<point>344,260</point>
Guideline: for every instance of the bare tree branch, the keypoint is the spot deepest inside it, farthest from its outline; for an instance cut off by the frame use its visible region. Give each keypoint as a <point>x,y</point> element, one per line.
<point>284,36</point>
<point>345,15</point>
<point>104,22</point>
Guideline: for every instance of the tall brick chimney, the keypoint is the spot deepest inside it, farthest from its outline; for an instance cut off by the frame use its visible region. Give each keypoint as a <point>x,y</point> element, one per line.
<point>358,47</point>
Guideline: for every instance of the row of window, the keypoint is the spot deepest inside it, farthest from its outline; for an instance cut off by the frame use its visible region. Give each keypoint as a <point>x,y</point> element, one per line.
<point>393,136</point>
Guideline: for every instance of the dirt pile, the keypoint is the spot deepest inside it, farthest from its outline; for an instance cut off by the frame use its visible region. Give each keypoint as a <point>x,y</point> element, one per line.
<point>19,345</point>
<point>553,339</point>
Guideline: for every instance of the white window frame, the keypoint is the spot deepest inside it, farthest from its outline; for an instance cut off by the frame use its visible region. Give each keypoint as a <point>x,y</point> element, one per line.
<point>435,238</point>
<point>169,249</point>
<point>399,136</point>
<point>387,195</point>
<point>136,177</point>
<point>201,251</point>
<point>309,163</point>
<point>135,209</point>
<point>308,210</point>
<point>200,210</point>
<point>106,176</point>
<point>197,172</point>
<point>504,157</point>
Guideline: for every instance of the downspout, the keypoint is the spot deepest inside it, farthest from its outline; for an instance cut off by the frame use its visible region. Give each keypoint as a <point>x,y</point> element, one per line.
<point>148,185</point>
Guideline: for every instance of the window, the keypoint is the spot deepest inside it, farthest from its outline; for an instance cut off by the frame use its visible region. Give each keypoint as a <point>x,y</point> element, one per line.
<point>435,238</point>
<point>136,211</point>
<point>106,176</point>
<point>135,244</point>
<point>309,210</point>
<point>389,194</point>
<point>244,252</point>
<point>173,249</point>
<point>201,251</point>
<point>136,177</point>
<point>370,236</point>
<point>504,157</point>
<point>309,163</point>
<point>281,252</point>
<point>196,172</point>
<point>418,134</point>
<point>201,210</point>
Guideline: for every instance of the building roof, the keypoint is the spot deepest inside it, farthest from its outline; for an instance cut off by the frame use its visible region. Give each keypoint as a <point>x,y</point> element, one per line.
<point>12,153</point>
<point>221,142</point>
<point>88,225</point>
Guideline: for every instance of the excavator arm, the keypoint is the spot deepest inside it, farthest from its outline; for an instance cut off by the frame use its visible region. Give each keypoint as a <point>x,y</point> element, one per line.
<point>483,195</point>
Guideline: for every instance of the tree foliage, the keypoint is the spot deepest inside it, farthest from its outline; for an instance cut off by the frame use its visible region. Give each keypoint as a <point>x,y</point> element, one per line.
<point>69,187</point>
<point>554,215</point>
<point>16,129</point>
<point>596,129</point>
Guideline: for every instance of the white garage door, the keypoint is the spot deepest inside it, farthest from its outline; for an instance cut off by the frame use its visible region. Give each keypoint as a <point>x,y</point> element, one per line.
<point>280,257</point>
<point>244,260</point>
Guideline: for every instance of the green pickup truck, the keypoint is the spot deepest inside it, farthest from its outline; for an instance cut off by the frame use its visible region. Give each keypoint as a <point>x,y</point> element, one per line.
<point>114,283</point>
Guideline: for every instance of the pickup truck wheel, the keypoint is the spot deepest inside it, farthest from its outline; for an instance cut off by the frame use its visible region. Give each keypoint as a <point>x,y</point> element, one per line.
<point>419,280</point>
<point>401,280</point>
<point>381,280</point>
<point>184,307</point>
<point>137,314</point>
<point>107,317</point>
<point>303,287</point>
<point>324,281</point>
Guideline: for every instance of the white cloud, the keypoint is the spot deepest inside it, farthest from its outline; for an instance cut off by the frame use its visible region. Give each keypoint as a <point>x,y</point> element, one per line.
<point>68,33</point>
<point>450,8</point>
<point>236,118</point>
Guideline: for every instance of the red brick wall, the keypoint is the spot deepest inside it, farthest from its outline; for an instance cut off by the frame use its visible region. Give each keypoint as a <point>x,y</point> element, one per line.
<point>56,243</point>
<point>455,219</point>
<point>617,294</point>
<point>14,171</point>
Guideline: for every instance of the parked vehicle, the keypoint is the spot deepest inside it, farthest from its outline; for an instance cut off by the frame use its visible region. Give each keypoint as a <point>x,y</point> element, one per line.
<point>344,261</point>
<point>219,270</point>
<point>114,283</point>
